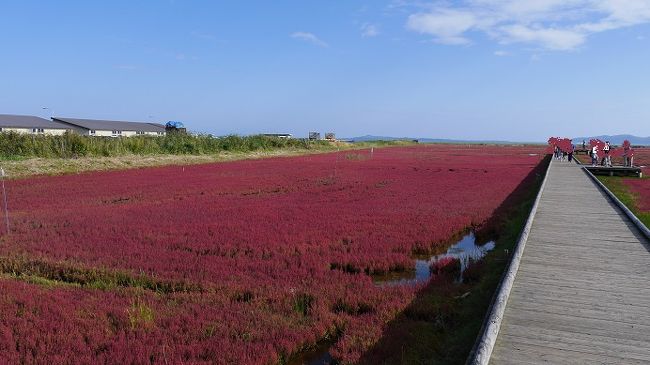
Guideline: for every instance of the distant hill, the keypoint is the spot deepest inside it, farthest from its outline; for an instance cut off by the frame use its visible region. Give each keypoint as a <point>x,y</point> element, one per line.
<point>369,138</point>
<point>617,139</point>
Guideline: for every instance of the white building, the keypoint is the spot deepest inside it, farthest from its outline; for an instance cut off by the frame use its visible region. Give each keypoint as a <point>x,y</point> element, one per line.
<point>278,135</point>
<point>111,128</point>
<point>28,124</point>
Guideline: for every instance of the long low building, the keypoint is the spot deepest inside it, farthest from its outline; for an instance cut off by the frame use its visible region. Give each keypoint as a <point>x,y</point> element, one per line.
<point>111,128</point>
<point>28,124</point>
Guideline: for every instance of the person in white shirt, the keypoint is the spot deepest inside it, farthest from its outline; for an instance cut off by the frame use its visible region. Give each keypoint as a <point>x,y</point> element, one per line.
<point>607,159</point>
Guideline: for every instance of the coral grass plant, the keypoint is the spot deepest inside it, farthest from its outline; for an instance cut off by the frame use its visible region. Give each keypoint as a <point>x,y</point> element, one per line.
<point>237,262</point>
<point>442,323</point>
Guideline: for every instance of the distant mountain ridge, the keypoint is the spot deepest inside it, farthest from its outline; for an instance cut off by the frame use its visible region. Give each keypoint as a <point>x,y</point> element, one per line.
<point>369,138</point>
<point>613,139</point>
<point>616,139</point>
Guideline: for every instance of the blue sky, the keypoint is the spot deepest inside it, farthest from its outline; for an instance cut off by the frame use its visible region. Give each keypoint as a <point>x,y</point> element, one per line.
<point>475,69</point>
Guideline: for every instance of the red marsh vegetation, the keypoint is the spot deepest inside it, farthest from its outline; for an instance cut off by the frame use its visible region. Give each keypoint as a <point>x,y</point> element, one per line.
<point>242,262</point>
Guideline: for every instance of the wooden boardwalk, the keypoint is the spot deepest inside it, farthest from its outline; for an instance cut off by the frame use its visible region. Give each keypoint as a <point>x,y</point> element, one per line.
<point>615,170</point>
<point>582,292</point>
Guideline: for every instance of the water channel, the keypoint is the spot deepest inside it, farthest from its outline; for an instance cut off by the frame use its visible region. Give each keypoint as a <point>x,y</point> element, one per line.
<point>466,250</point>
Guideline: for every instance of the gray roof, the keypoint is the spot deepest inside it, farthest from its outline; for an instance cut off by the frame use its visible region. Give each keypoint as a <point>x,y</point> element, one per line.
<point>111,125</point>
<point>28,121</point>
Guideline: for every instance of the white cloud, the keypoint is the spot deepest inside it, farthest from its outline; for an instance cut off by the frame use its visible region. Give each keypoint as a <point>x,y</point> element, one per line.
<point>369,30</point>
<point>549,38</point>
<point>547,24</point>
<point>309,37</point>
<point>446,25</point>
<point>501,53</point>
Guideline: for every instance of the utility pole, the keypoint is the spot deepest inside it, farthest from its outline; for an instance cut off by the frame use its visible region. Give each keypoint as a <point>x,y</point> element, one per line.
<point>4,195</point>
<point>49,111</point>
<point>336,164</point>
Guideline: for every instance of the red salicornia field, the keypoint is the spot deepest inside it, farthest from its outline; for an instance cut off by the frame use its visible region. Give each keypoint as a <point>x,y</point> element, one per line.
<point>642,158</point>
<point>641,188</point>
<point>243,262</point>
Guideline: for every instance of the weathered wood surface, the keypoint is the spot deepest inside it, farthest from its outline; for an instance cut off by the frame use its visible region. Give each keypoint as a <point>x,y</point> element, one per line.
<point>582,291</point>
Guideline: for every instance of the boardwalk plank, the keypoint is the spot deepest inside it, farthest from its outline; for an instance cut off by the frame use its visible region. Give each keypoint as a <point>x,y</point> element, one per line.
<point>604,345</point>
<point>582,292</point>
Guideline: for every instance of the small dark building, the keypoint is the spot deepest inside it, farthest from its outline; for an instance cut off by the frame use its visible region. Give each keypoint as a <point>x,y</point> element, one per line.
<point>175,127</point>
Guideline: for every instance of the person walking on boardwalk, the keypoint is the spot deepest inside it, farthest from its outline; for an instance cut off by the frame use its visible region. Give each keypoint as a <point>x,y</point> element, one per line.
<point>571,149</point>
<point>594,155</point>
<point>607,159</point>
<point>626,153</point>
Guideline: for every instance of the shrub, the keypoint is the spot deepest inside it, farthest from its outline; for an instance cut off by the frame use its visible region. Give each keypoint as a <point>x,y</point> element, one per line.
<point>71,145</point>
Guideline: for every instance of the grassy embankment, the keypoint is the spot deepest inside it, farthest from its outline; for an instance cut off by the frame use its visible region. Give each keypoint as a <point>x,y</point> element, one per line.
<point>27,155</point>
<point>442,323</point>
<point>626,196</point>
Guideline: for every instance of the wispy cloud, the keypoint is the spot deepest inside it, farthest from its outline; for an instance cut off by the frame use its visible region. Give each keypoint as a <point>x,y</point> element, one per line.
<point>203,35</point>
<point>309,37</point>
<point>185,57</point>
<point>369,30</point>
<point>126,67</point>
<point>546,24</point>
<point>501,53</point>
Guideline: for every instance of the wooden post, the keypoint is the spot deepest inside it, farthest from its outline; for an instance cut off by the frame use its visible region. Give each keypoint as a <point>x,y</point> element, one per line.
<point>336,164</point>
<point>4,194</point>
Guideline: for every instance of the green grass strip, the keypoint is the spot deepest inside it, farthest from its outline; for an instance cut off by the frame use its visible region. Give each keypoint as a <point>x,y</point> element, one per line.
<point>626,196</point>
